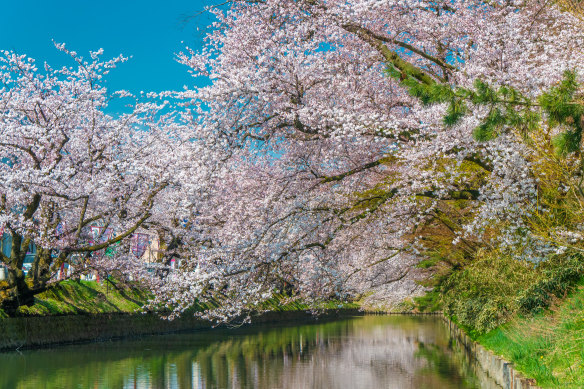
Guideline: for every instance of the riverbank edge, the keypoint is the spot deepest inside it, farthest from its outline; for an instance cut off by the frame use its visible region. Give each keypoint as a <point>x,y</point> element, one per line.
<point>22,333</point>
<point>496,367</point>
<point>35,332</point>
<point>499,369</point>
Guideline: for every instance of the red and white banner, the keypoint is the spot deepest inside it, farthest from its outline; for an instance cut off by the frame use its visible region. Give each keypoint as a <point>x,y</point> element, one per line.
<point>139,244</point>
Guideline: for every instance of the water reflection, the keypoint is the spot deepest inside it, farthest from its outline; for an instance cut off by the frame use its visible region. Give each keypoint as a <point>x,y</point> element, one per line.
<point>361,352</point>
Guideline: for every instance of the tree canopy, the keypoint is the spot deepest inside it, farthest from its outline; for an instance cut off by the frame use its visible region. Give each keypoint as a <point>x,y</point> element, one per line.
<point>335,140</point>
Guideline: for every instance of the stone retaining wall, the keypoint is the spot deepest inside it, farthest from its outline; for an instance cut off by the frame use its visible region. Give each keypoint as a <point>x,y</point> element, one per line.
<point>35,332</point>
<point>500,370</point>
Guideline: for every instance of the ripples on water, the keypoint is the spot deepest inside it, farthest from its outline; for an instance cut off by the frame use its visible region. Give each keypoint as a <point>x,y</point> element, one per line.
<point>361,352</point>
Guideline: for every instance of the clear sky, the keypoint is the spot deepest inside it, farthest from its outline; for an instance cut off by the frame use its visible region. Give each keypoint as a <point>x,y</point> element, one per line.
<point>149,31</point>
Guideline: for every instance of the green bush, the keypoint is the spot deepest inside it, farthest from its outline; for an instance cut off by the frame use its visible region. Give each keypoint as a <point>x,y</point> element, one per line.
<point>429,302</point>
<point>557,276</point>
<point>488,291</point>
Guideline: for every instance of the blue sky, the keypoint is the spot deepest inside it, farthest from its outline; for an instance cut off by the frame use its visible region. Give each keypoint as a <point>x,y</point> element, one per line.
<point>149,31</point>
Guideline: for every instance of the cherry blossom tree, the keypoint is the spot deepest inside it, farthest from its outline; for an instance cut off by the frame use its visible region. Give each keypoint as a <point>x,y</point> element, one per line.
<point>78,179</point>
<point>333,138</point>
<point>345,125</point>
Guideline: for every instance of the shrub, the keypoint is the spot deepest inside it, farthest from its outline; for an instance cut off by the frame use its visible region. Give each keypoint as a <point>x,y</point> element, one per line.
<point>493,287</point>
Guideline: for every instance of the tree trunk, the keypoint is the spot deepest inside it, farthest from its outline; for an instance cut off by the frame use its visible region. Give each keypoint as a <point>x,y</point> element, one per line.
<point>40,271</point>
<point>17,292</point>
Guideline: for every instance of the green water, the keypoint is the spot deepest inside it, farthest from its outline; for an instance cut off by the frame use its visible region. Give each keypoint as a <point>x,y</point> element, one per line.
<point>361,352</point>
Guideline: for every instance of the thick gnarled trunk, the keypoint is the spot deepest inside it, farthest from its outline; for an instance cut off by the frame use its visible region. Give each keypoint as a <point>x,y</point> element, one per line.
<point>18,289</point>
<point>40,272</point>
<point>15,292</point>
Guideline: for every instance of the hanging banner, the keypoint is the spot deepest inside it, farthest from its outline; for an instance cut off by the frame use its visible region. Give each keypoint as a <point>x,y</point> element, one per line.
<point>100,235</point>
<point>139,244</point>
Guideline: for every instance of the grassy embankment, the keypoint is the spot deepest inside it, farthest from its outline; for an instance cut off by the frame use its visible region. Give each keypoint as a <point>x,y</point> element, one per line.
<point>84,297</point>
<point>90,297</point>
<point>531,315</point>
<point>548,346</point>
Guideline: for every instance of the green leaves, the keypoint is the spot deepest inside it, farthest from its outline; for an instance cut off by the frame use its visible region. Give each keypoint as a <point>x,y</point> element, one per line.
<point>455,111</point>
<point>484,94</point>
<point>567,142</point>
<point>558,101</point>
<point>562,110</point>
<point>507,107</point>
<point>428,94</point>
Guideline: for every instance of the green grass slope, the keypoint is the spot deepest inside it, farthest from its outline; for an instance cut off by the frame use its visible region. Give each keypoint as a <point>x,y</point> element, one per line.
<point>90,297</point>
<point>548,346</point>
<point>84,297</point>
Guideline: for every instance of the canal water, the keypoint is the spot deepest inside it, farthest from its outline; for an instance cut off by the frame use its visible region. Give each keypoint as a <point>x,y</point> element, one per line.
<point>358,352</point>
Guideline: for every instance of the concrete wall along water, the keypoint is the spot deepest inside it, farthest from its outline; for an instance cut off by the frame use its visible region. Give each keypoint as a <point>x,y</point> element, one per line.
<point>497,368</point>
<point>34,332</point>
<point>31,332</point>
